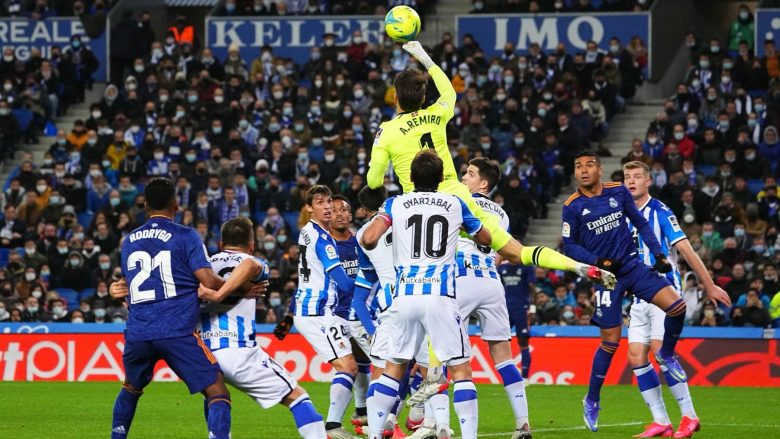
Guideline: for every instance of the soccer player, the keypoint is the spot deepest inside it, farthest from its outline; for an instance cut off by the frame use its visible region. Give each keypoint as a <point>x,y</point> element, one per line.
<point>519,283</point>
<point>415,128</point>
<point>595,229</point>
<point>481,294</point>
<point>424,245</point>
<point>347,246</point>
<point>164,263</point>
<point>321,278</point>
<point>646,327</point>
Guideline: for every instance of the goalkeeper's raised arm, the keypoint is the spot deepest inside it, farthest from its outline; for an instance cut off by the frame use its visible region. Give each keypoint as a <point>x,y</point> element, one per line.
<point>443,85</point>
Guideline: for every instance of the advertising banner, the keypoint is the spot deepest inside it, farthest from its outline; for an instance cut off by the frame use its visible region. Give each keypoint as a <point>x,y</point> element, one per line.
<point>573,30</point>
<point>23,35</point>
<point>556,360</point>
<point>767,25</point>
<point>289,37</point>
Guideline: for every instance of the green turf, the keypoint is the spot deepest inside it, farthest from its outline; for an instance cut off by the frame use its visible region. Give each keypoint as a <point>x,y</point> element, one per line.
<point>83,410</point>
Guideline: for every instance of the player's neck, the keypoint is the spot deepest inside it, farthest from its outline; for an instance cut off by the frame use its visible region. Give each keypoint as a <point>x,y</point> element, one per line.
<point>592,191</point>
<point>161,214</point>
<point>233,248</point>
<point>642,201</point>
<point>342,235</point>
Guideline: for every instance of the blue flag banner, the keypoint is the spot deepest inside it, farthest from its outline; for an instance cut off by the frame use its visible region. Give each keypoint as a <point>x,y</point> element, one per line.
<point>767,27</point>
<point>573,30</point>
<point>23,35</point>
<point>290,37</point>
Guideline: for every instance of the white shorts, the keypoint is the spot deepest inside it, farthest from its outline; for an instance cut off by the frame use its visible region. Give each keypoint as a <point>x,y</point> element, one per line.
<point>253,372</point>
<point>379,351</point>
<point>360,335</point>
<point>411,318</point>
<point>328,335</point>
<point>647,323</point>
<point>484,298</point>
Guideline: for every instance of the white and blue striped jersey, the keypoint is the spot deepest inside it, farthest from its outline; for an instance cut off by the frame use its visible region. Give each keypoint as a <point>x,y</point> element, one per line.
<point>230,324</point>
<point>668,232</point>
<point>477,260</point>
<point>380,261</point>
<point>425,237</point>
<point>317,294</point>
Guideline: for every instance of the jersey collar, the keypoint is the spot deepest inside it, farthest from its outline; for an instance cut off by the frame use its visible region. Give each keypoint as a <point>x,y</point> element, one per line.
<point>478,195</point>
<point>649,199</point>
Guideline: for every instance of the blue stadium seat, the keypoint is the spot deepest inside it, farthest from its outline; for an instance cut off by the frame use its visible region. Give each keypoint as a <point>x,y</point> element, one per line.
<point>4,252</point>
<point>259,217</point>
<point>72,296</point>
<point>291,218</point>
<point>706,170</point>
<point>85,218</point>
<point>755,185</point>
<point>86,293</point>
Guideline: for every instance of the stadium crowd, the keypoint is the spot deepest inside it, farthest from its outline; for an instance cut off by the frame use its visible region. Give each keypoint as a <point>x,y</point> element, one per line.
<point>247,137</point>
<point>548,6</point>
<point>315,7</point>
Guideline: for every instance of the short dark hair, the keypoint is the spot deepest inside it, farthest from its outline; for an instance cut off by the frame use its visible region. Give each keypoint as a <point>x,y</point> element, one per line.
<point>588,153</point>
<point>315,190</point>
<point>372,199</point>
<point>160,194</point>
<point>342,198</point>
<point>410,89</point>
<point>427,170</point>
<point>488,171</point>
<point>237,232</point>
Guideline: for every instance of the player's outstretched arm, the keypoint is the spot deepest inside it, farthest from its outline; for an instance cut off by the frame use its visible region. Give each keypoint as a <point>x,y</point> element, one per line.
<point>483,237</point>
<point>118,289</point>
<point>714,292</point>
<point>246,271</point>
<point>375,230</point>
<point>446,91</point>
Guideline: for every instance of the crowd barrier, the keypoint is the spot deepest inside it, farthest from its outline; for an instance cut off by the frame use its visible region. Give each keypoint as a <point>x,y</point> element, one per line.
<point>561,355</point>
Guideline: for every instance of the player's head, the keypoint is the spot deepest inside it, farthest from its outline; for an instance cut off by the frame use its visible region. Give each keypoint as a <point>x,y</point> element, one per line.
<point>160,196</point>
<point>587,169</point>
<point>427,171</point>
<point>319,204</point>
<point>342,214</point>
<point>481,176</point>
<point>636,178</point>
<point>238,234</point>
<point>372,199</point>
<point>410,89</point>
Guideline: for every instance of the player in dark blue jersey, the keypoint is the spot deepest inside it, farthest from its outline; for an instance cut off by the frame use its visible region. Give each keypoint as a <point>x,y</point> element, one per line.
<point>595,231</point>
<point>164,263</point>
<point>518,283</point>
<point>347,246</point>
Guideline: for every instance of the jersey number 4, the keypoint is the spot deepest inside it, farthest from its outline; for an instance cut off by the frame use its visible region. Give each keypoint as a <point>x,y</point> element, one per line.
<point>433,224</point>
<point>148,264</point>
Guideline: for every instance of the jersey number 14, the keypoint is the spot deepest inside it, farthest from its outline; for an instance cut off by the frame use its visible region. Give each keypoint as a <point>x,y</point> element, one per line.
<point>161,261</point>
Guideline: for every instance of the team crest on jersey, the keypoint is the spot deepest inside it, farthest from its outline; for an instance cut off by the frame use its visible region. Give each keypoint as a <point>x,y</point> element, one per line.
<point>566,230</point>
<point>598,312</point>
<point>613,203</point>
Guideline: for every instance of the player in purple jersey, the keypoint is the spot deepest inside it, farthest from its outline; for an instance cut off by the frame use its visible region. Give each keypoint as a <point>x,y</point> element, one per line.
<point>164,263</point>
<point>595,231</point>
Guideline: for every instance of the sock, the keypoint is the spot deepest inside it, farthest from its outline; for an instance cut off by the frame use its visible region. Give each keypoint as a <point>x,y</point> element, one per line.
<point>429,420</point>
<point>219,416</point>
<point>124,411</point>
<point>650,388</point>
<point>382,396</point>
<point>307,420</point>
<point>418,411</point>
<point>547,258</point>
<point>598,372</point>
<point>525,361</point>
<point>340,395</point>
<point>361,387</point>
<point>440,409</point>
<point>681,393</point>
<point>465,402</point>
<point>673,326</point>
<point>515,390</point>
<point>416,381</point>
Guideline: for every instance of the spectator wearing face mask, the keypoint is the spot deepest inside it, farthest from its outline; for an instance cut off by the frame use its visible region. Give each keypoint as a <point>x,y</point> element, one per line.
<point>32,258</point>
<point>58,311</point>
<point>75,275</point>
<point>709,315</point>
<point>33,312</point>
<point>751,310</point>
<point>742,29</point>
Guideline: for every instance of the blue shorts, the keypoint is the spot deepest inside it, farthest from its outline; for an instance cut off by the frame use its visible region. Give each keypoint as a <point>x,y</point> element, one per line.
<point>518,317</point>
<point>634,277</point>
<point>189,358</point>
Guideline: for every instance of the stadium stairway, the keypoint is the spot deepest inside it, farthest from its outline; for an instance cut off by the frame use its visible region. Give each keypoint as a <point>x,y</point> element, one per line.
<point>78,111</point>
<point>625,127</point>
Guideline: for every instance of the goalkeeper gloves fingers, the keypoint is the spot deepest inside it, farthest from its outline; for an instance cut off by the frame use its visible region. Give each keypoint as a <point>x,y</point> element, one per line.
<point>283,328</point>
<point>608,264</point>
<point>662,265</point>
<point>418,52</point>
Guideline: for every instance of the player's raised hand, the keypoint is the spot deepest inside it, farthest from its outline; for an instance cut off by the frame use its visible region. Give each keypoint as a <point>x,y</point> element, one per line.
<point>118,289</point>
<point>417,51</point>
<point>283,328</point>
<point>717,294</point>
<point>662,265</point>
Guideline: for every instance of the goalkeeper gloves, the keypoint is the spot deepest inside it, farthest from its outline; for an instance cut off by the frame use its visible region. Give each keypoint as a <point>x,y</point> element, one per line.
<point>662,265</point>
<point>608,264</point>
<point>416,50</point>
<point>283,328</point>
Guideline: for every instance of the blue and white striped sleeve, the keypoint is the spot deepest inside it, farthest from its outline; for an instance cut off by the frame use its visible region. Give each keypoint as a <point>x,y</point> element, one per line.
<point>471,224</point>
<point>670,227</point>
<point>327,254</point>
